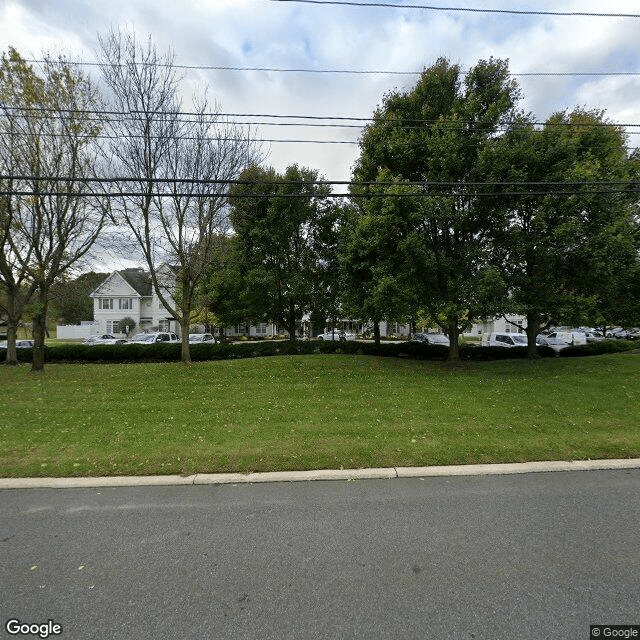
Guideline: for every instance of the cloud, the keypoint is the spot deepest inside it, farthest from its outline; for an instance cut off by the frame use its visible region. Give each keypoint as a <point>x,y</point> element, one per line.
<point>257,33</point>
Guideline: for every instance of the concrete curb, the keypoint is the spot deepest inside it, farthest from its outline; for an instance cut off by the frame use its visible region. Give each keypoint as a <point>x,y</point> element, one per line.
<point>320,474</point>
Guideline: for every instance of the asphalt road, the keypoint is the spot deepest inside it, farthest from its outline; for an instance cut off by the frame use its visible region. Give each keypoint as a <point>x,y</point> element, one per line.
<point>536,556</point>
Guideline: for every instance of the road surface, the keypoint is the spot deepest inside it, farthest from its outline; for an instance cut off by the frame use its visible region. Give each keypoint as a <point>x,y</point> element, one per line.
<point>527,557</point>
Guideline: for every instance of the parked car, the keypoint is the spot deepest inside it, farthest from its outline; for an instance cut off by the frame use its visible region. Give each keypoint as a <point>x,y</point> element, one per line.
<point>509,340</point>
<point>571,337</point>
<point>152,338</point>
<point>431,338</point>
<point>104,339</point>
<point>557,344</point>
<point>624,334</point>
<point>200,338</point>
<point>20,344</point>
<point>336,335</point>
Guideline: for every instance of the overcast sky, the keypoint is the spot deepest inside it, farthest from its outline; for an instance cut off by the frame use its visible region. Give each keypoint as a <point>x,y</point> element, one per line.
<point>293,35</point>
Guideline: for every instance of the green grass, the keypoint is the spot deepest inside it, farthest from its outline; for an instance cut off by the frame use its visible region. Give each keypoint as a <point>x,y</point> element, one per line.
<point>314,412</point>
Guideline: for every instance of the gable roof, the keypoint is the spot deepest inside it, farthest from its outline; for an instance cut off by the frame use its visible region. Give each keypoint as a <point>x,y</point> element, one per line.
<point>139,279</point>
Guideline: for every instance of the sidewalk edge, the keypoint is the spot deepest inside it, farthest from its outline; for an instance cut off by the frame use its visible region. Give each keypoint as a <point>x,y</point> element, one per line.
<point>321,474</point>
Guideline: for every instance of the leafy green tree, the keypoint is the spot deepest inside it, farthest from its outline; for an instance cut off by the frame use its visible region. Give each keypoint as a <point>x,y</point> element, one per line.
<point>226,290</point>
<point>326,304</point>
<point>70,298</point>
<point>565,245</point>
<point>432,137</point>
<point>275,219</point>
<point>374,273</point>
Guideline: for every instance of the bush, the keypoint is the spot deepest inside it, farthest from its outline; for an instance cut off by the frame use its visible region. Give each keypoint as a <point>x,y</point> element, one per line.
<point>599,348</point>
<point>160,352</point>
<point>129,323</point>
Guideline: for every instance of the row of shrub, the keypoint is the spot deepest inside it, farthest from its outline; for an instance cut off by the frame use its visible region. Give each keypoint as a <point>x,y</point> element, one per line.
<point>598,348</point>
<point>200,352</point>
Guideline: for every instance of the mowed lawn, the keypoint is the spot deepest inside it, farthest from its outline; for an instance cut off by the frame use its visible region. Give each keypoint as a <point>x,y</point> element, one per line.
<point>314,412</point>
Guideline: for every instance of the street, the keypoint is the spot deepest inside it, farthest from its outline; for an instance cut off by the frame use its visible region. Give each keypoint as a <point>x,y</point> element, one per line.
<point>527,557</point>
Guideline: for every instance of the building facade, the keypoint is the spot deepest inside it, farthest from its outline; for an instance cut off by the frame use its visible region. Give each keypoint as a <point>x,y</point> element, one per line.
<point>129,294</point>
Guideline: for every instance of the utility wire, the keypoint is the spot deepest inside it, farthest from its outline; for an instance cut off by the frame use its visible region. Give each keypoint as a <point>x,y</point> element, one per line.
<point>391,72</point>
<point>456,194</point>
<point>427,189</point>
<point>351,183</point>
<point>386,5</point>
<point>81,114</point>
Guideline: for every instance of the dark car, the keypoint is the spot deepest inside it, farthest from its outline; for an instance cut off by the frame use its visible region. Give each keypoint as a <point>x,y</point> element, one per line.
<point>431,338</point>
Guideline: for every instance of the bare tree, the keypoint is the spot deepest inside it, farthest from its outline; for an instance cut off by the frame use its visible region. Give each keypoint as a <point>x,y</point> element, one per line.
<point>49,217</point>
<point>177,166</point>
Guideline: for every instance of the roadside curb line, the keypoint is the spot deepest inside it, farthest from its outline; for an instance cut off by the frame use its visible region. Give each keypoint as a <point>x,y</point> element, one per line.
<point>320,474</point>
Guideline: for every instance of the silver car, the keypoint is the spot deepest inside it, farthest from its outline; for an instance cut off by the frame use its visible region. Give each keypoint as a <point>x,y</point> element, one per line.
<point>336,334</point>
<point>152,338</point>
<point>104,339</point>
<point>201,338</point>
<point>20,344</point>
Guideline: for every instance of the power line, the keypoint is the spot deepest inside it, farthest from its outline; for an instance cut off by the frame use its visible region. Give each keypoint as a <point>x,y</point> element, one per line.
<point>406,123</point>
<point>200,67</point>
<point>387,5</point>
<point>456,194</point>
<point>359,183</point>
<point>427,189</point>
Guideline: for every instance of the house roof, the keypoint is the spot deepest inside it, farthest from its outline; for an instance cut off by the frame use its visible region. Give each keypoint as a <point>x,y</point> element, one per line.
<point>139,279</point>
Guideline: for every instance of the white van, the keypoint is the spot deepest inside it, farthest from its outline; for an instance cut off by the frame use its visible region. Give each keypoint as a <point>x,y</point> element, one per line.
<point>572,337</point>
<point>508,340</point>
<point>152,338</point>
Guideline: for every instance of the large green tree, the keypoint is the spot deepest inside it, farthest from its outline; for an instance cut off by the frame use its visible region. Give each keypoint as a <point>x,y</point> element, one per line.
<point>70,297</point>
<point>565,240</point>
<point>276,218</point>
<point>432,137</point>
<point>373,265</point>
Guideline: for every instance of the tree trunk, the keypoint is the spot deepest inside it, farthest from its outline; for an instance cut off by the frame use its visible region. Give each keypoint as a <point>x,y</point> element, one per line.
<point>185,353</point>
<point>533,327</point>
<point>39,331</point>
<point>291,324</point>
<point>454,347</point>
<point>12,352</point>
<point>376,332</point>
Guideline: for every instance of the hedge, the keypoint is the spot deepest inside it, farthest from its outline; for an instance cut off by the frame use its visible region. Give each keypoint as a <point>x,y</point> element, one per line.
<point>598,348</point>
<point>78,353</point>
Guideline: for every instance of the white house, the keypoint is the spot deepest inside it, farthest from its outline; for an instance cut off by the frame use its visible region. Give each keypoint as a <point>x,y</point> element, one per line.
<point>509,323</point>
<point>129,294</point>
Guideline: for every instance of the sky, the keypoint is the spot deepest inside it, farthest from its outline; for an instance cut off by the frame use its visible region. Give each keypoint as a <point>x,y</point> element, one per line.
<point>271,34</point>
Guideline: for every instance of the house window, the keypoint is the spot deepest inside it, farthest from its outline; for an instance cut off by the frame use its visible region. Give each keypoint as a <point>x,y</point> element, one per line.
<point>163,325</point>
<point>126,303</point>
<point>112,326</point>
<point>261,329</point>
<point>105,303</point>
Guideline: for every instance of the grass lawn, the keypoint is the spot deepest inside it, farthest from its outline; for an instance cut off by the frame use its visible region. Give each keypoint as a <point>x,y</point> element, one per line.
<point>314,412</point>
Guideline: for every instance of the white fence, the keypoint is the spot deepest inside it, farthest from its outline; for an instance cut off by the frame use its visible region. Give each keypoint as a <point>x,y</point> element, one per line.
<point>76,331</point>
